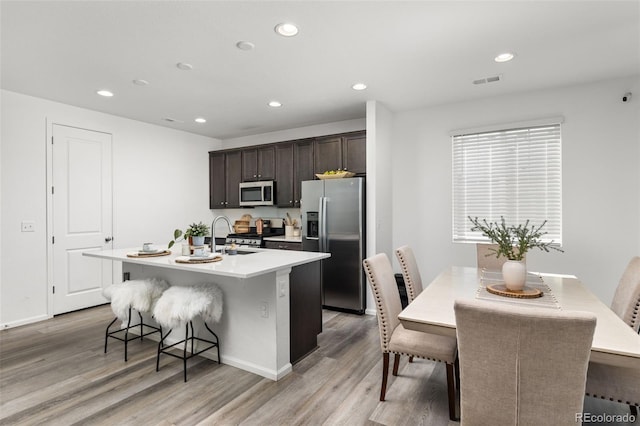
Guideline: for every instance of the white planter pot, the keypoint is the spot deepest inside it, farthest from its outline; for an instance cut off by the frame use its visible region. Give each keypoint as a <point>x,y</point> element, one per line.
<point>198,241</point>
<point>514,273</point>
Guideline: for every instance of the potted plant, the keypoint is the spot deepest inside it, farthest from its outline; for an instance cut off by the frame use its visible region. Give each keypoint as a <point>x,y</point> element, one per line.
<point>197,232</point>
<point>513,243</point>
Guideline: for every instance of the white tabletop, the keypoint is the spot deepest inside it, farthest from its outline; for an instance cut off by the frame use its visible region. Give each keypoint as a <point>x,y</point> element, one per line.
<point>261,262</point>
<point>614,341</point>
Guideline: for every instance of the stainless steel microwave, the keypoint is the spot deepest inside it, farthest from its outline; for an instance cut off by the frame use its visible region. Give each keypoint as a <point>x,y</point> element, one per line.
<point>260,193</point>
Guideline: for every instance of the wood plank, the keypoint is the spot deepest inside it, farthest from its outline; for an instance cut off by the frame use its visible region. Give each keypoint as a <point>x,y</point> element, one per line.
<point>55,372</point>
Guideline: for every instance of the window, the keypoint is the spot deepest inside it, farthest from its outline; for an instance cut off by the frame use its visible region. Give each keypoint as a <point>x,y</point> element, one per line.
<point>514,172</point>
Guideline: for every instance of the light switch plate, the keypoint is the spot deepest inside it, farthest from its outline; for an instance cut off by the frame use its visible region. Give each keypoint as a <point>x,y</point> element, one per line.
<point>28,226</point>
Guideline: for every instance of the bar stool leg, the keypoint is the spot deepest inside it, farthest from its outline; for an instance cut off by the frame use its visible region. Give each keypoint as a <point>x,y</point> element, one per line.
<point>160,346</point>
<point>141,327</point>
<point>186,342</point>
<point>126,335</point>
<point>217,340</point>
<point>106,334</point>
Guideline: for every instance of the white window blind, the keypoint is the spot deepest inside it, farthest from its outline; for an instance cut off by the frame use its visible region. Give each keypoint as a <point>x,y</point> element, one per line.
<point>514,173</point>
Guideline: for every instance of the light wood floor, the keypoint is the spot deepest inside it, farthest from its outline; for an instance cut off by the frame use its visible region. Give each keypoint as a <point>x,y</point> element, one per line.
<point>55,373</point>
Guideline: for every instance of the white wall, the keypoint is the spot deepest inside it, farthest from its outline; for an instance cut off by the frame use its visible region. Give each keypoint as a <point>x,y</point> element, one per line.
<point>601,179</point>
<point>379,186</point>
<point>160,182</point>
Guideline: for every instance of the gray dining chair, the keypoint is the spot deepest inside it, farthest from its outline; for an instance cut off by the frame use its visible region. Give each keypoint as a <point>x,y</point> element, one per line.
<point>395,339</point>
<point>410,272</point>
<point>617,383</point>
<point>486,258</point>
<point>521,366</point>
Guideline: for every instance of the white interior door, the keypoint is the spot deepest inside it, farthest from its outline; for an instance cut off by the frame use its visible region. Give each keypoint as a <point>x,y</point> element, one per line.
<point>82,217</point>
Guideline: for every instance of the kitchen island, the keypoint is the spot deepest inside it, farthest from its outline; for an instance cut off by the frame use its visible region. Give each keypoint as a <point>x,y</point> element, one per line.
<point>255,327</point>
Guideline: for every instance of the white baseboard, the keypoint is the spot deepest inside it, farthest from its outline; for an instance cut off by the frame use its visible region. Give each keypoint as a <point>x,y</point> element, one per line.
<point>24,321</point>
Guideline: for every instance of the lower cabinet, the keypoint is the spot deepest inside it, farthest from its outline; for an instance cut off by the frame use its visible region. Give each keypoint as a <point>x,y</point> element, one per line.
<point>305,304</point>
<point>305,309</point>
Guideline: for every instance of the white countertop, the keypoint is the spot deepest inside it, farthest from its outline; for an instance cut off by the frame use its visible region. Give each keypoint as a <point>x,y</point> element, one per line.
<point>261,262</point>
<point>282,238</point>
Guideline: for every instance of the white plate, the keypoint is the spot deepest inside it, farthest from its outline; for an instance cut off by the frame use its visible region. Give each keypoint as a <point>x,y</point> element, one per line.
<point>208,256</point>
<point>149,251</point>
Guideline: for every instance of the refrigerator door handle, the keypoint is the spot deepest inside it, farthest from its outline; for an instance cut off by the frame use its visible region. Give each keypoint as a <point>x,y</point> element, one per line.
<point>324,244</point>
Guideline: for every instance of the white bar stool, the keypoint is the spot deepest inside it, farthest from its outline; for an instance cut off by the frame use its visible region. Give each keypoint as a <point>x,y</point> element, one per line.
<point>180,305</point>
<point>139,295</point>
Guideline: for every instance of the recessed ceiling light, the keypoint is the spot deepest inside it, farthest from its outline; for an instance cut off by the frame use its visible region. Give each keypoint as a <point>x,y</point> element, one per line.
<point>504,57</point>
<point>139,82</point>
<point>286,29</point>
<point>172,120</point>
<point>359,86</point>
<point>200,120</point>
<point>184,66</point>
<point>105,93</point>
<point>245,45</point>
<point>275,104</point>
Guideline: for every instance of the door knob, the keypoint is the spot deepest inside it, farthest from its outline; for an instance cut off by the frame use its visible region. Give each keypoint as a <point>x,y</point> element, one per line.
<point>106,240</point>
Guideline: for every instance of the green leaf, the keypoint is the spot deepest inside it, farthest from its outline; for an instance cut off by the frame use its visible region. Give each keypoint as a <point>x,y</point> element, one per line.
<point>176,234</point>
<point>171,243</point>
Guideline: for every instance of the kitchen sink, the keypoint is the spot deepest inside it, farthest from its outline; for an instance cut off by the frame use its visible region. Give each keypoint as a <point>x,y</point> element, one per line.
<point>240,252</point>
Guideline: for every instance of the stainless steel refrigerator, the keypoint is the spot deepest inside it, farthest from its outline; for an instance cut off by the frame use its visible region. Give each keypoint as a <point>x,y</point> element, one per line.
<point>333,221</point>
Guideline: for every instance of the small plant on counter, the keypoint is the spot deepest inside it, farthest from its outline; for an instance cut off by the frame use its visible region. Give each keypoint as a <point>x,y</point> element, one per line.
<point>197,230</point>
<point>513,241</point>
<point>194,230</point>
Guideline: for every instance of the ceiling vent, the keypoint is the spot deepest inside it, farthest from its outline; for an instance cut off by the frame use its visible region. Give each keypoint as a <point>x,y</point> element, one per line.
<point>172,120</point>
<point>488,79</point>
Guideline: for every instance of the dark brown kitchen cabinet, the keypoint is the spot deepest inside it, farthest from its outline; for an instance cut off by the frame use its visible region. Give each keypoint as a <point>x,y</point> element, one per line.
<point>294,163</point>
<point>284,175</point>
<point>283,245</point>
<point>354,153</point>
<point>224,179</point>
<point>302,167</point>
<point>287,163</point>
<point>327,154</point>
<point>259,163</point>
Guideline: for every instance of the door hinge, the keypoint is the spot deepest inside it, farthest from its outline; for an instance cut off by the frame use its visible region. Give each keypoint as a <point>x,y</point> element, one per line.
<point>52,190</point>
<point>54,289</point>
<point>51,140</point>
<point>53,240</point>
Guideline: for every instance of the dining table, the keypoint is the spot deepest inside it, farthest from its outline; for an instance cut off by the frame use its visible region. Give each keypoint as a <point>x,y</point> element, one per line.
<point>614,342</point>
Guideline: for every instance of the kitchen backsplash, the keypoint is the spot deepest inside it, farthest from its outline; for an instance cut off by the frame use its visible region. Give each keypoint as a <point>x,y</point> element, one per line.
<point>274,214</point>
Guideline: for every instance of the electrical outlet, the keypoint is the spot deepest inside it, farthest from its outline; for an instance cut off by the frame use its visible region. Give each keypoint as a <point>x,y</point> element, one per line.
<point>264,310</point>
<point>28,226</point>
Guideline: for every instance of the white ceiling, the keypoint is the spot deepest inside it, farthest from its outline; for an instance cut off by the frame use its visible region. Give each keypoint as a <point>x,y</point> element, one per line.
<point>411,54</point>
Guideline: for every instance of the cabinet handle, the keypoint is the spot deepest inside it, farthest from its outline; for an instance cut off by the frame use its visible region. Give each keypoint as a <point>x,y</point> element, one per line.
<point>255,176</point>
<point>221,202</point>
<point>259,176</point>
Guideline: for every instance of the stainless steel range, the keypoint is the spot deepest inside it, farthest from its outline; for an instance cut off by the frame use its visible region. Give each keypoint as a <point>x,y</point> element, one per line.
<point>253,239</point>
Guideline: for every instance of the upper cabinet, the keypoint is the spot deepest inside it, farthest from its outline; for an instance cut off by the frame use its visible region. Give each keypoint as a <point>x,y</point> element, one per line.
<point>287,163</point>
<point>294,163</point>
<point>284,174</point>
<point>224,179</point>
<point>354,153</point>
<point>346,152</point>
<point>259,163</point>
<point>328,154</point>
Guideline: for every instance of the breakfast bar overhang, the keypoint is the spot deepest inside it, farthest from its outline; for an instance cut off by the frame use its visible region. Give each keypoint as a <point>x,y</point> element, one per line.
<point>254,330</point>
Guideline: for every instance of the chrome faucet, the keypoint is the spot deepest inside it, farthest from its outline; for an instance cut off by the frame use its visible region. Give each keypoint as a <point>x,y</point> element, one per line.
<point>213,230</point>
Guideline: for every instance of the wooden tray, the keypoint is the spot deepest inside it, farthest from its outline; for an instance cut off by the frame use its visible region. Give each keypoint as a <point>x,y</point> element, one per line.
<point>138,254</point>
<point>525,293</point>
<point>193,261</point>
<point>339,175</point>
